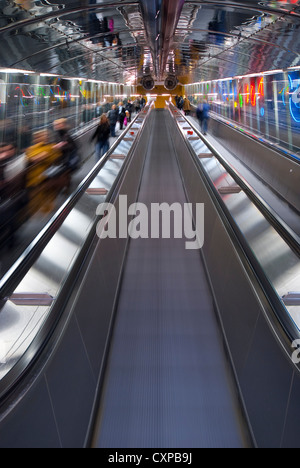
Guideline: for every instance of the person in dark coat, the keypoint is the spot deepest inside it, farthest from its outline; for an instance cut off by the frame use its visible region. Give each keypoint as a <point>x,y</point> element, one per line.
<point>70,156</point>
<point>205,116</point>
<point>101,136</point>
<point>121,115</point>
<point>199,114</point>
<point>129,108</point>
<point>113,118</point>
<point>12,193</point>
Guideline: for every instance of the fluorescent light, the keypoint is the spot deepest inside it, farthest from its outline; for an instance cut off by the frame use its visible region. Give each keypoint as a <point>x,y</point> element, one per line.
<point>49,74</point>
<point>271,72</point>
<point>16,70</point>
<point>70,78</point>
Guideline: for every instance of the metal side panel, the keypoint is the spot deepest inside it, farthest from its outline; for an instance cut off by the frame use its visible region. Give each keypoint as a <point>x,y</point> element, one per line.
<point>277,171</point>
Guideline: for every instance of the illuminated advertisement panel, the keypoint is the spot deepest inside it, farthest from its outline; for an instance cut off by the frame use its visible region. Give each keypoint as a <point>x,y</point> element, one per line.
<point>294,95</point>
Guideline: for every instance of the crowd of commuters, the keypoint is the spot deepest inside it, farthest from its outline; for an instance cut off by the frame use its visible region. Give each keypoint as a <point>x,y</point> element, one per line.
<point>31,180</point>
<point>107,126</point>
<point>183,104</point>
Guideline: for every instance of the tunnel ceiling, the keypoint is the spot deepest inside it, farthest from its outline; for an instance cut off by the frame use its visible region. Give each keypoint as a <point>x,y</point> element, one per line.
<point>123,41</point>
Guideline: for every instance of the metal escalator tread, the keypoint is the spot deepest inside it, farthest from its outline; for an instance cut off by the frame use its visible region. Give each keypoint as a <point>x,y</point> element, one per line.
<point>166,383</point>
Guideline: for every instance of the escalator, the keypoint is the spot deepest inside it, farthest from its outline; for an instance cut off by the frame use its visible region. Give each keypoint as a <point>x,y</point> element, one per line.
<point>168,382</point>
<point>139,341</point>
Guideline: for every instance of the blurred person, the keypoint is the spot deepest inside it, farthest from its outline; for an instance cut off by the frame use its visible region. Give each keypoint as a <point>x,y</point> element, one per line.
<point>25,138</point>
<point>129,109</point>
<point>121,114</point>
<point>113,118</point>
<point>202,113</point>
<point>199,113</point>
<point>180,103</point>
<point>68,146</point>
<point>137,105</point>
<point>12,190</point>
<point>101,136</point>
<point>7,131</point>
<point>186,106</point>
<point>16,166</point>
<point>143,102</point>
<point>99,110</point>
<point>12,168</point>
<point>127,118</point>
<point>205,116</point>
<point>7,152</point>
<point>41,156</point>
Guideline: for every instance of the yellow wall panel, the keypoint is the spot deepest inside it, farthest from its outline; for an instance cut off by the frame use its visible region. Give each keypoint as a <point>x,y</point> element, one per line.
<point>162,94</point>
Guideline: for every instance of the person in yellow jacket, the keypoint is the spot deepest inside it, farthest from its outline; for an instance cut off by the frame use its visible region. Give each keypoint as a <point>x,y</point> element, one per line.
<point>186,106</point>
<point>40,157</point>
